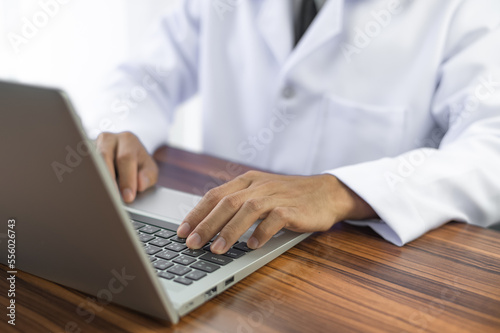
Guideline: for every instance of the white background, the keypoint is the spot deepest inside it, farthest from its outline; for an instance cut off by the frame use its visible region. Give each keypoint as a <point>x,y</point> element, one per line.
<point>79,45</point>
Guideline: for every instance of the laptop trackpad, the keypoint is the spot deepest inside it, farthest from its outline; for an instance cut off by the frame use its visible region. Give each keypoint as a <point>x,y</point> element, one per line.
<point>164,202</point>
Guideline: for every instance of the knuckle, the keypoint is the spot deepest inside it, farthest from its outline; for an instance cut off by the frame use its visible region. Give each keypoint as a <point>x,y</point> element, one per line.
<point>213,196</point>
<point>280,213</point>
<point>254,205</point>
<point>231,202</point>
<point>126,156</point>
<point>252,174</point>
<point>241,179</point>
<point>104,136</point>
<point>128,135</point>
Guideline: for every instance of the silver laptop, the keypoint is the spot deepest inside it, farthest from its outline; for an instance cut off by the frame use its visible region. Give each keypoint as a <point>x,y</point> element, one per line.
<point>72,228</point>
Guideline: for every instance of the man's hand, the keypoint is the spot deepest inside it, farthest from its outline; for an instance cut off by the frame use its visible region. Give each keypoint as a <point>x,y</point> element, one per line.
<point>297,203</point>
<point>128,162</point>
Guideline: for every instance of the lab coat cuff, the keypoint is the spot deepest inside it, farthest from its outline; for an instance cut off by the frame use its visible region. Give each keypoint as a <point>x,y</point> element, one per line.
<point>399,222</point>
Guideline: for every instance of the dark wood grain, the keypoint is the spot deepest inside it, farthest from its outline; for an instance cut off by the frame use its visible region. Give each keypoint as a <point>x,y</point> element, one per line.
<point>345,280</point>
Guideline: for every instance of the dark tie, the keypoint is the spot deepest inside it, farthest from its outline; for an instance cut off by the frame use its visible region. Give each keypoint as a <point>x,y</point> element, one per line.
<point>308,11</point>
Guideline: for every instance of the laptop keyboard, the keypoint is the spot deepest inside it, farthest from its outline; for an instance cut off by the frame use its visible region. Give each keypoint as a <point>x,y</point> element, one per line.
<point>173,260</point>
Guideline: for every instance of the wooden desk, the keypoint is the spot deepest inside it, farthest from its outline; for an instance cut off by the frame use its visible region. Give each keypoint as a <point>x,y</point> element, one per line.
<point>344,280</point>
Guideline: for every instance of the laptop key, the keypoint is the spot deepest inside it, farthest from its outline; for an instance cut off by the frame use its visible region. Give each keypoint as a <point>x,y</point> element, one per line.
<point>162,264</point>
<point>205,266</point>
<point>179,270</point>
<point>161,242</point>
<point>145,237</point>
<point>177,247</point>
<point>137,225</point>
<point>149,229</point>
<point>165,233</point>
<point>242,246</point>
<point>184,260</point>
<point>152,258</point>
<point>151,249</point>
<point>216,259</point>
<point>184,281</point>
<point>166,275</point>
<point>167,255</point>
<point>178,240</point>
<point>193,253</point>
<point>196,275</point>
<point>234,253</point>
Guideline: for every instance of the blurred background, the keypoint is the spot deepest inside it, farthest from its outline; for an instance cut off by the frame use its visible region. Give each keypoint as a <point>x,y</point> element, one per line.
<point>80,44</point>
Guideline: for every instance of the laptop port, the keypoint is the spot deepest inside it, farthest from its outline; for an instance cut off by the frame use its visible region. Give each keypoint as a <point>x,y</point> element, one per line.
<point>229,281</point>
<point>210,292</point>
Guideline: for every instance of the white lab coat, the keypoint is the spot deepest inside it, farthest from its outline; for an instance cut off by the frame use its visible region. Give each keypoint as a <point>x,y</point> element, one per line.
<point>398,99</point>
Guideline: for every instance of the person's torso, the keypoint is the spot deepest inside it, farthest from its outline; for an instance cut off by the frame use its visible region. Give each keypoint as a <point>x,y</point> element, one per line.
<point>358,86</point>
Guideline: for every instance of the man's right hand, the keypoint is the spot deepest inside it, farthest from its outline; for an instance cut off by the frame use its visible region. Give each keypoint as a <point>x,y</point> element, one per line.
<point>129,163</point>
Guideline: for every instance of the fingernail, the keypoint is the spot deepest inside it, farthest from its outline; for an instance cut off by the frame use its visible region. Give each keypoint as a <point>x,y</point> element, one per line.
<point>194,241</point>
<point>128,195</point>
<point>219,245</point>
<point>253,243</point>
<point>183,230</point>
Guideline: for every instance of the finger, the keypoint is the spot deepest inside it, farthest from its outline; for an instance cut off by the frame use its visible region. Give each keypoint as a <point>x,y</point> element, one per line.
<point>106,145</point>
<point>148,174</point>
<point>126,164</point>
<point>220,215</point>
<point>277,219</point>
<point>242,220</point>
<point>217,218</point>
<point>209,201</point>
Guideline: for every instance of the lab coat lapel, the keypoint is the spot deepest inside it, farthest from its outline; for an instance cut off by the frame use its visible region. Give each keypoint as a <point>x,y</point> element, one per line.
<point>274,21</point>
<point>327,25</point>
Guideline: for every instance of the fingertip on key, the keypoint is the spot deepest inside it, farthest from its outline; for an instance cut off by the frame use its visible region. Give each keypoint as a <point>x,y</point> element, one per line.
<point>183,230</point>
<point>253,243</point>
<point>194,241</point>
<point>219,245</point>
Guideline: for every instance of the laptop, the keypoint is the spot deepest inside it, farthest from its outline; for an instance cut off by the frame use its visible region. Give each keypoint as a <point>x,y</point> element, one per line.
<point>72,227</point>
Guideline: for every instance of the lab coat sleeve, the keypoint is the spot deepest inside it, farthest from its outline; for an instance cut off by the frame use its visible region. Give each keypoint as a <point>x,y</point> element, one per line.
<point>144,91</point>
<point>460,180</point>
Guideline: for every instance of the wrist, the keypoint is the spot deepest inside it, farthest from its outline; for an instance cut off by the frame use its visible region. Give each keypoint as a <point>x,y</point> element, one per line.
<point>349,205</point>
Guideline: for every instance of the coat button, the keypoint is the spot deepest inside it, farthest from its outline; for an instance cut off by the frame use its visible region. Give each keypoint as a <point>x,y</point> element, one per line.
<point>288,92</point>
